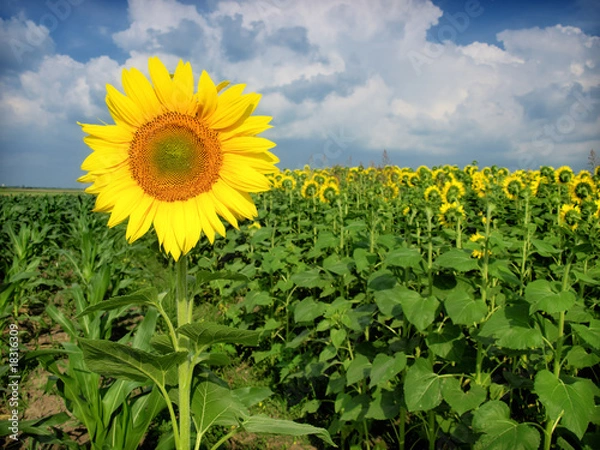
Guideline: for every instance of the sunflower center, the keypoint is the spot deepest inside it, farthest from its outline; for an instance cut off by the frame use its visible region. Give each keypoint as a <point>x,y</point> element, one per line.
<point>175,157</point>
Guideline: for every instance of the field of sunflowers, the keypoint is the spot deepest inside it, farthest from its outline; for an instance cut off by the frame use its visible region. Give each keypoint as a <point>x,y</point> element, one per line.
<point>439,308</point>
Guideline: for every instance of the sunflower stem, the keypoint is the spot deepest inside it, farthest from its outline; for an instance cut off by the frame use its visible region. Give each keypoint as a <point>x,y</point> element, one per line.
<point>185,377</point>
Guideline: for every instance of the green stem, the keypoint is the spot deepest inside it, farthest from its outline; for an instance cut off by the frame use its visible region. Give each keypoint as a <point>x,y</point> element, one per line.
<point>459,233</point>
<point>402,429</point>
<point>222,440</point>
<point>429,214</point>
<point>525,241</point>
<point>551,424</point>
<point>185,369</point>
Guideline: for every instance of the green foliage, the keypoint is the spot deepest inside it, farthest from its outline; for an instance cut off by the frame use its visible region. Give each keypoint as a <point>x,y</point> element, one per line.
<point>368,316</point>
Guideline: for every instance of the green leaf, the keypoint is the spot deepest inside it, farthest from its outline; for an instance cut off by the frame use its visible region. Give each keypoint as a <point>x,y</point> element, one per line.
<point>208,333</point>
<point>419,311</point>
<point>547,297</point>
<point>460,401</point>
<point>384,405</point>
<point>351,408</point>
<point>585,278</point>
<point>357,370</point>
<point>363,259</point>
<point>573,398</point>
<point>500,431</point>
<point>463,309</point>
<point>334,265</point>
<point>510,325</point>
<point>447,342</point>
<point>385,368</point>
<point>213,404</point>
<point>264,424</point>
<point>579,358</point>
<point>381,280</point>
<point>543,248</point>
<point>590,334</point>
<point>458,260</point>
<point>308,279</point>
<point>422,387</point>
<point>404,257</point>
<point>250,396</point>
<point>147,296</point>
<point>256,298</point>
<point>115,360</point>
<point>337,336</point>
<point>308,310</point>
<point>205,276</point>
<point>388,301</point>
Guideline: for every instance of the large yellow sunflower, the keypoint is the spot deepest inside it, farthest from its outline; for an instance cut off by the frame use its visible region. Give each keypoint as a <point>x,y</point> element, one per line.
<point>177,159</point>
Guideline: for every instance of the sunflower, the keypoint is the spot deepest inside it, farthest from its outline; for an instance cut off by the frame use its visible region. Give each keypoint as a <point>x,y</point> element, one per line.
<point>389,191</point>
<point>513,186</point>
<point>477,237</point>
<point>453,191</point>
<point>451,213</point>
<point>310,189</point>
<point>329,192</point>
<point>480,183</point>
<point>287,183</point>
<point>433,195</point>
<point>177,159</point>
<point>569,216</point>
<point>480,253</point>
<point>581,188</point>
<point>563,175</point>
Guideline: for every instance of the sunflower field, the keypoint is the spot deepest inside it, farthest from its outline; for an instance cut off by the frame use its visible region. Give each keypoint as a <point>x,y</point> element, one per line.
<point>438,308</point>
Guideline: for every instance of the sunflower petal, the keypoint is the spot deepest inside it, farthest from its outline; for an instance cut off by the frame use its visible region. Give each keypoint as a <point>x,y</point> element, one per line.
<point>123,108</point>
<point>138,88</point>
<point>207,96</point>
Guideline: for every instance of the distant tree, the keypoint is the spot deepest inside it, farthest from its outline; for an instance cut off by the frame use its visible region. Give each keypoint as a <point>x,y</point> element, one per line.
<point>385,159</point>
<point>593,160</point>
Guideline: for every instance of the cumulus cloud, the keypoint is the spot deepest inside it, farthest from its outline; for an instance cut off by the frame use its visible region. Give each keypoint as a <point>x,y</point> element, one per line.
<point>24,43</point>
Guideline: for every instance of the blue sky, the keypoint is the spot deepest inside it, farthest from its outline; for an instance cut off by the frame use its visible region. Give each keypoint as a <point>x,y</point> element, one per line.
<point>516,84</point>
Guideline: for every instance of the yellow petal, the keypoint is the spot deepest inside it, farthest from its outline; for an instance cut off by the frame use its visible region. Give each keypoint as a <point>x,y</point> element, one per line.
<point>183,88</point>
<point>252,126</point>
<point>110,133</point>
<point>232,161</point>
<point>141,218</point>
<point>161,79</point>
<point>140,91</point>
<point>123,108</point>
<point>207,96</point>
<point>222,85</point>
<point>193,225</point>
<point>224,211</point>
<point>208,208</point>
<point>244,179</point>
<point>238,202</point>
<point>99,144</point>
<point>178,223</point>
<point>247,143</point>
<point>103,161</point>
<point>124,205</point>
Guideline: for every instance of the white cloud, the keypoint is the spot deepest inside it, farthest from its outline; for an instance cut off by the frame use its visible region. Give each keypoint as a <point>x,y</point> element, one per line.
<point>24,42</point>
